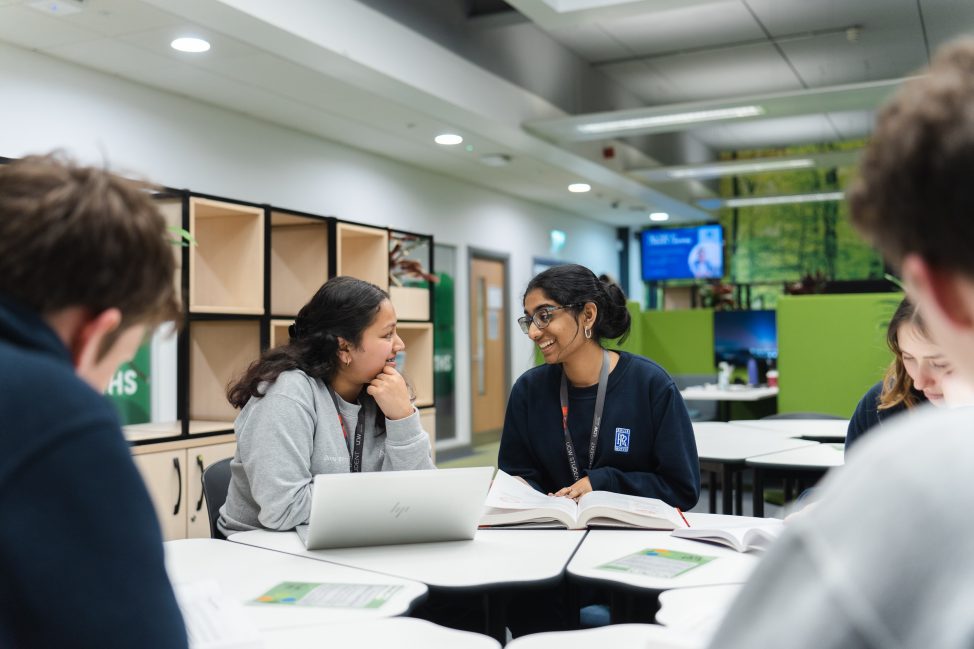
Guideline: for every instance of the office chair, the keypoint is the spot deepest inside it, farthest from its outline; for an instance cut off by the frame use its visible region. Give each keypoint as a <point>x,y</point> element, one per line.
<point>216,483</point>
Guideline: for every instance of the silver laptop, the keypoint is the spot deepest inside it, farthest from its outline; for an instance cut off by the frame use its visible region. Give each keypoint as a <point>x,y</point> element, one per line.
<point>393,507</point>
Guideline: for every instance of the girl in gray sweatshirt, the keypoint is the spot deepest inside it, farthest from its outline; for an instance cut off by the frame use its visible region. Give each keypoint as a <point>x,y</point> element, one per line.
<point>328,401</point>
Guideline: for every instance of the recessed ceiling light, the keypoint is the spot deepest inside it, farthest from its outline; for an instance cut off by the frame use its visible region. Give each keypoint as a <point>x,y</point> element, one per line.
<point>448,139</point>
<point>671,120</point>
<point>659,216</point>
<point>190,44</point>
<point>579,188</point>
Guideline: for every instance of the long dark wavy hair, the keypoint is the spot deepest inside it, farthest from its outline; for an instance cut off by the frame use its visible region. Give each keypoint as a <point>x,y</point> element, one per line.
<point>575,284</point>
<point>342,308</point>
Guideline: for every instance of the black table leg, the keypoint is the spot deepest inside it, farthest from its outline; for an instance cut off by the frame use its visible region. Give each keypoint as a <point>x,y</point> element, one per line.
<point>726,486</point>
<point>739,492</point>
<point>758,496</point>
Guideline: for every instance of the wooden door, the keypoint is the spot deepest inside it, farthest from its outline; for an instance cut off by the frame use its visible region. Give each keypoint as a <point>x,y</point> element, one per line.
<point>488,348</point>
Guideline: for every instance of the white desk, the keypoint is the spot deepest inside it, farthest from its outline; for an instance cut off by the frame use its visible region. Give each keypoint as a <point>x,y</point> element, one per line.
<point>395,632</point>
<point>492,558</point>
<point>616,636</point>
<point>822,430</point>
<point>696,610</point>
<point>807,463</point>
<point>729,446</point>
<point>723,398</point>
<point>733,393</point>
<point>603,546</point>
<point>244,573</point>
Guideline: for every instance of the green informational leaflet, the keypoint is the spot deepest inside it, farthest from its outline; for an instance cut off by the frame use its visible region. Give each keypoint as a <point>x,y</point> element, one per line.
<point>657,562</point>
<point>297,593</point>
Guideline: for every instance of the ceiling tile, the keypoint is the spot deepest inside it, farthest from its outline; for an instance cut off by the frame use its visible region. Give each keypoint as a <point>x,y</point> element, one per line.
<point>784,17</point>
<point>746,70</point>
<point>695,26</point>
<point>831,59</point>
<point>590,42</point>
<point>947,19</point>
<point>36,30</point>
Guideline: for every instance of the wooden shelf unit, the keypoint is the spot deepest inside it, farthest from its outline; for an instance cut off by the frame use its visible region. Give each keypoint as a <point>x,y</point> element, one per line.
<point>226,267</point>
<point>363,252</point>
<point>299,260</point>
<point>279,333</point>
<point>219,351</point>
<point>418,370</point>
<point>411,302</point>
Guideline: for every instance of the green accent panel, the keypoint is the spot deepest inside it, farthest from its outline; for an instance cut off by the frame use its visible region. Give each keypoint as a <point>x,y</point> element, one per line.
<point>129,389</point>
<point>634,343</point>
<point>831,349</point>
<point>682,342</point>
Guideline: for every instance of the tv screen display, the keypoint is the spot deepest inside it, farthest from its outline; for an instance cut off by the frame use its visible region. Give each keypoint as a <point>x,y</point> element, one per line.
<point>683,253</point>
<point>740,335</point>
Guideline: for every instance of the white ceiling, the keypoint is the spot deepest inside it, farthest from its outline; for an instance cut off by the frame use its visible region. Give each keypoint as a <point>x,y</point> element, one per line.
<point>351,72</point>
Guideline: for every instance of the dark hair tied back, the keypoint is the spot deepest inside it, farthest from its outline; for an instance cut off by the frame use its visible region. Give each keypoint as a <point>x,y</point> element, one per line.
<point>575,284</point>
<point>342,308</point>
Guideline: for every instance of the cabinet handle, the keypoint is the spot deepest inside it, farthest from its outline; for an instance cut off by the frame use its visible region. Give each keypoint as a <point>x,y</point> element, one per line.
<point>199,463</point>
<point>179,480</point>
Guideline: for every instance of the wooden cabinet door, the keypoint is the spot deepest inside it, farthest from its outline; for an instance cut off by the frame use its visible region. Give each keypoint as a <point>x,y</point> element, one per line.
<point>198,458</point>
<point>164,474</point>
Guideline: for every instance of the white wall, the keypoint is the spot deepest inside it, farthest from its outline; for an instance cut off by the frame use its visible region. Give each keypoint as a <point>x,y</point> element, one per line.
<point>46,103</point>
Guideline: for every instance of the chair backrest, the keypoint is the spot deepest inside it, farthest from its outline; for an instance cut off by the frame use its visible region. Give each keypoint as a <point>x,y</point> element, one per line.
<point>802,415</point>
<point>216,483</point>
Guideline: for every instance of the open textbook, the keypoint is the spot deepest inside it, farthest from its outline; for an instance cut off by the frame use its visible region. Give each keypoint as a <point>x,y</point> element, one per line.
<point>512,502</point>
<point>741,537</point>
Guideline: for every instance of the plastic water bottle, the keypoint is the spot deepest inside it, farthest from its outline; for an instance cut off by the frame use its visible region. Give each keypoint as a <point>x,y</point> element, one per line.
<point>752,372</point>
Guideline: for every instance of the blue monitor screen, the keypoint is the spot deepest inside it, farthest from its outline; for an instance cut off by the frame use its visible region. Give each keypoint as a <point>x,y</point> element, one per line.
<point>683,253</point>
<point>739,335</point>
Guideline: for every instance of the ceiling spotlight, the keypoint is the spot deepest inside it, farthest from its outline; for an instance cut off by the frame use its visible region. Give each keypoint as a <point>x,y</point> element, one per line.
<point>495,159</point>
<point>579,188</point>
<point>659,216</point>
<point>190,44</point>
<point>448,139</point>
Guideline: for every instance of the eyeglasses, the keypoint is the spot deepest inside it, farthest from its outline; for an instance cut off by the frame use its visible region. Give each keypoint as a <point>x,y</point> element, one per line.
<point>542,317</point>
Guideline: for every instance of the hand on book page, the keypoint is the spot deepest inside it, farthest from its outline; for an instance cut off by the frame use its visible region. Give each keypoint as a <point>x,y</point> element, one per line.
<point>511,502</point>
<point>744,537</point>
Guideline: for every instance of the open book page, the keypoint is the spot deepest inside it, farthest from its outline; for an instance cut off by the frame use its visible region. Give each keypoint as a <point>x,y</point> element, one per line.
<point>213,620</point>
<point>620,510</point>
<point>743,537</point>
<point>511,501</point>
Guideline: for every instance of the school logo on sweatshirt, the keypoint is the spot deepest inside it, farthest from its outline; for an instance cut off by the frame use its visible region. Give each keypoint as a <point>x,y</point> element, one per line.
<point>622,440</point>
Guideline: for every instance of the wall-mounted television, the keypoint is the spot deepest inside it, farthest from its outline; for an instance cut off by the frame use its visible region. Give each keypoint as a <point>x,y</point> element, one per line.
<point>740,335</point>
<point>683,253</point>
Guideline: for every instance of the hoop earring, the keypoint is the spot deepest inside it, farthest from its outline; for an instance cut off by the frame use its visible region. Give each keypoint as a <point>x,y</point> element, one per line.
<point>588,332</point>
<point>348,361</point>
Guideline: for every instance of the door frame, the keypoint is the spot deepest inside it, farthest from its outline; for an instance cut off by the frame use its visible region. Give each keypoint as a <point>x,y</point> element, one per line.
<point>505,258</point>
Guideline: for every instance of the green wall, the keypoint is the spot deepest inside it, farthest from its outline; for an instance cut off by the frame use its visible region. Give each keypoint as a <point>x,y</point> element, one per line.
<point>682,342</point>
<point>831,349</point>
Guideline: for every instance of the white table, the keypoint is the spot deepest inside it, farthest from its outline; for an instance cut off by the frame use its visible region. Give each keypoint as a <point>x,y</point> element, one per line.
<point>493,560</point>
<point>395,632</point>
<point>723,398</point>
<point>807,463</point>
<point>696,610</point>
<point>602,546</point>
<point>821,430</point>
<point>729,447</point>
<point>244,573</point>
<point>616,636</point>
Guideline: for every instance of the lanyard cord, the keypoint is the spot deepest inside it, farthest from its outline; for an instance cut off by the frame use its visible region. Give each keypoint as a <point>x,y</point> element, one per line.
<point>355,447</point>
<point>596,419</point>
